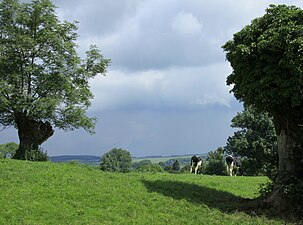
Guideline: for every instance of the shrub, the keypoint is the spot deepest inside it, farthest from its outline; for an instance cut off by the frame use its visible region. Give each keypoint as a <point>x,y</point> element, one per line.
<point>151,168</point>
<point>36,155</point>
<point>116,160</point>
<point>185,169</point>
<point>136,165</point>
<point>215,162</point>
<point>8,150</point>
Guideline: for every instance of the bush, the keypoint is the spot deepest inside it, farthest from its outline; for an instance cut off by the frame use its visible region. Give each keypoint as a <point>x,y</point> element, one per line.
<point>185,169</point>
<point>151,168</point>
<point>36,155</point>
<point>176,166</point>
<point>215,162</point>
<point>8,150</point>
<point>116,160</point>
<point>136,165</point>
<point>215,167</point>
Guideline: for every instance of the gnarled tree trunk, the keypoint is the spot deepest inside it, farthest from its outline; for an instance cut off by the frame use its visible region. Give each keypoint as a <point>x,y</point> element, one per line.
<point>31,134</point>
<point>290,170</point>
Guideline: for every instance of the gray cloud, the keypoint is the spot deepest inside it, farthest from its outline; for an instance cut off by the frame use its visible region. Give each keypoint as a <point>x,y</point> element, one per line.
<point>179,88</point>
<point>155,34</point>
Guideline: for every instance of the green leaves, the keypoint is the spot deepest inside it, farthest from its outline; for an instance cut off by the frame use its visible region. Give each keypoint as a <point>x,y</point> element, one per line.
<point>40,70</point>
<point>8,149</point>
<point>116,160</point>
<point>255,141</point>
<point>267,61</point>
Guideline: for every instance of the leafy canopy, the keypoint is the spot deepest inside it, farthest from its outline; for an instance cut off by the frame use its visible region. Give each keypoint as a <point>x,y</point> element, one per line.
<point>8,149</point>
<point>116,160</point>
<point>255,141</point>
<point>267,61</point>
<point>215,162</point>
<point>41,74</point>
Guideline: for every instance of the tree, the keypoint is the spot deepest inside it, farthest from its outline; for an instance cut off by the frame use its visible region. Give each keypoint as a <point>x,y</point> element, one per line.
<point>149,168</point>
<point>136,165</point>
<point>8,149</point>
<point>267,61</point>
<point>176,166</point>
<point>116,160</point>
<point>255,142</point>
<point>43,81</point>
<point>215,162</point>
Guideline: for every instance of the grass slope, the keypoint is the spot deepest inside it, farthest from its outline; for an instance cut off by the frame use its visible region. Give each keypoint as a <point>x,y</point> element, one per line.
<point>49,193</point>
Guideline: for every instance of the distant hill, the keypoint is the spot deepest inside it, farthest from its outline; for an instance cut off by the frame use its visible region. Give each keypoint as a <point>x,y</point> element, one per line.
<point>80,158</point>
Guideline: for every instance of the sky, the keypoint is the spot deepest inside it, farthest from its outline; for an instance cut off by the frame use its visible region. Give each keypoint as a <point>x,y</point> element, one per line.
<point>165,92</point>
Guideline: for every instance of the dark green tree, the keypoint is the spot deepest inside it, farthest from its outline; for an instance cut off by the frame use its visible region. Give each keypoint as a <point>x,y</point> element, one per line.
<point>255,141</point>
<point>8,149</point>
<point>135,165</point>
<point>267,61</point>
<point>176,166</point>
<point>150,168</point>
<point>116,160</point>
<point>215,162</point>
<point>43,81</point>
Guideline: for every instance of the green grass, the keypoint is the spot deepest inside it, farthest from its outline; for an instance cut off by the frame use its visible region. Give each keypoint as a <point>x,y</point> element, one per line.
<point>54,193</point>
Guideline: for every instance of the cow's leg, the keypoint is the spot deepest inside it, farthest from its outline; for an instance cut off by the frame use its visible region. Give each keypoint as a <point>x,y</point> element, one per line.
<point>231,169</point>
<point>196,169</point>
<point>191,169</point>
<point>199,165</point>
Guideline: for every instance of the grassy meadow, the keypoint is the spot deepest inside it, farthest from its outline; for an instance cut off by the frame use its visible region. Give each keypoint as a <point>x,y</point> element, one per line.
<point>62,193</point>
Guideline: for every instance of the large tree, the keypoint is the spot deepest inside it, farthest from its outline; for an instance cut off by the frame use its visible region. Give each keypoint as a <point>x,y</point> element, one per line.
<point>116,160</point>
<point>43,81</point>
<point>267,61</point>
<point>255,141</point>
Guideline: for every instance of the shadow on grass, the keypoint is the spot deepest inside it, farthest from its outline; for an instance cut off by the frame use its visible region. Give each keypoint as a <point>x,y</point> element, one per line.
<point>224,201</point>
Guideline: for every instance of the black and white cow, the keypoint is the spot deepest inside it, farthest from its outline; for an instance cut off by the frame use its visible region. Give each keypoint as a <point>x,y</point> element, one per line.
<point>234,166</point>
<point>195,164</point>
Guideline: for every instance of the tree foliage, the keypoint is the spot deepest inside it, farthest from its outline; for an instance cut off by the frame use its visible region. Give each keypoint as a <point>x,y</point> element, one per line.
<point>116,160</point>
<point>255,141</point>
<point>215,162</point>
<point>8,149</point>
<point>267,62</point>
<point>43,81</point>
<point>176,166</point>
<point>135,165</point>
<point>149,168</point>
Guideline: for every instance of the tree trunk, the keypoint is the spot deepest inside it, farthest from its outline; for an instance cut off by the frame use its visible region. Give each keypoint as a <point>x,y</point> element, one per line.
<point>290,170</point>
<point>31,134</point>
